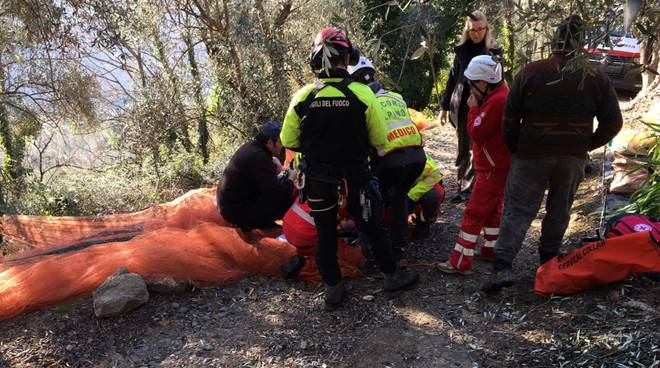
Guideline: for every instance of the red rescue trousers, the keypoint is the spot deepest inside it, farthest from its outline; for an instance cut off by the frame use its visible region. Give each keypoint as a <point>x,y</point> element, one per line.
<point>483,212</point>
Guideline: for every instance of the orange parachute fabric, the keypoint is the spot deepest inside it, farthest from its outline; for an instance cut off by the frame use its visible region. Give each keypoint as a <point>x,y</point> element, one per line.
<point>40,233</point>
<point>421,121</point>
<point>349,257</point>
<point>186,239</point>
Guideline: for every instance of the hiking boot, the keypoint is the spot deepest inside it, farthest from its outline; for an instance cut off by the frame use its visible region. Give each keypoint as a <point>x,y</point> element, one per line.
<point>447,267</point>
<point>400,280</point>
<point>421,231</point>
<point>292,267</point>
<point>333,296</point>
<point>504,277</point>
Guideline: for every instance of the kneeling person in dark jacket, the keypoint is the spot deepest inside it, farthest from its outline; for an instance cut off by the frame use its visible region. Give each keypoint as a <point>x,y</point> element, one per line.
<point>254,191</point>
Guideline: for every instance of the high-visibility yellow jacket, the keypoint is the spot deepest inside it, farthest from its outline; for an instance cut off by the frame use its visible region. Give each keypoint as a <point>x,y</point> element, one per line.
<point>430,176</point>
<point>334,127</point>
<point>401,130</point>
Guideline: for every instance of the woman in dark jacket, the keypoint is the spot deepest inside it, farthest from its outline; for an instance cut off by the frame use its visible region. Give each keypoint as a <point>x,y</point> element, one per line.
<point>476,40</point>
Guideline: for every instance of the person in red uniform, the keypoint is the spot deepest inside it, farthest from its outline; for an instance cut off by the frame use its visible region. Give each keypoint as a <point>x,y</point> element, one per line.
<point>299,230</point>
<point>491,159</point>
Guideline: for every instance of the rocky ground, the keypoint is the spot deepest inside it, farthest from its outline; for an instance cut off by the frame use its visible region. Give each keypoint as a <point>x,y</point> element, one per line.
<point>445,322</point>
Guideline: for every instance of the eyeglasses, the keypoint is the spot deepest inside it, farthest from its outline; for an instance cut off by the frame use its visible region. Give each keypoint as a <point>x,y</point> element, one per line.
<point>478,30</point>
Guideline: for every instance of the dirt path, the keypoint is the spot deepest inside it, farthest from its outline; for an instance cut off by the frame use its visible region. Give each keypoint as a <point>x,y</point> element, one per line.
<point>445,322</point>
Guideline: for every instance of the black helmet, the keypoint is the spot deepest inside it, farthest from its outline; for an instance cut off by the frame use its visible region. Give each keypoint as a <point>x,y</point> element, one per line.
<point>569,34</point>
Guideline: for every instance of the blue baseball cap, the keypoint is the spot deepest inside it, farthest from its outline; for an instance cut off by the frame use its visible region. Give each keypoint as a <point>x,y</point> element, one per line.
<point>270,129</point>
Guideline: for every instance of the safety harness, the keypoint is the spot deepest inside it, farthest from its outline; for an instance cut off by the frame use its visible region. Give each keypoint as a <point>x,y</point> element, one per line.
<point>333,174</point>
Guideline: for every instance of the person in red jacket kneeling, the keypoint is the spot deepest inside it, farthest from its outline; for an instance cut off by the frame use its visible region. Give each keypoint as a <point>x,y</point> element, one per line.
<point>299,230</point>
<point>491,159</point>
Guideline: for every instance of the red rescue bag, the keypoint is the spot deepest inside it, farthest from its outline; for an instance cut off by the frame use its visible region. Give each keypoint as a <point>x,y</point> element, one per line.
<point>599,263</point>
<point>628,223</point>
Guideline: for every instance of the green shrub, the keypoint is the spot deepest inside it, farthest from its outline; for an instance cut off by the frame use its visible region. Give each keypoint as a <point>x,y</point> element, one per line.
<point>120,189</point>
<point>646,200</point>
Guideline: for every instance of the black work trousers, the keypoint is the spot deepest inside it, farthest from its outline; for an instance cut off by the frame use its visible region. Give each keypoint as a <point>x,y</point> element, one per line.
<point>430,203</point>
<point>322,196</point>
<point>464,171</point>
<point>395,182</point>
<point>526,185</point>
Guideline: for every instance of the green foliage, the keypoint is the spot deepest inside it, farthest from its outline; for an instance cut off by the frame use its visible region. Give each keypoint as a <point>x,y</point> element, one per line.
<point>510,62</point>
<point>146,124</point>
<point>123,188</point>
<point>50,201</point>
<point>412,40</point>
<point>172,90</point>
<point>646,200</point>
<point>39,80</point>
<point>529,27</point>
<point>167,90</point>
<point>443,75</point>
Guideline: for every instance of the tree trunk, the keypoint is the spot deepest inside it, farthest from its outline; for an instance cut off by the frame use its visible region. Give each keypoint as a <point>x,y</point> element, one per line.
<point>282,82</point>
<point>180,131</point>
<point>508,75</point>
<point>4,125</point>
<point>649,54</point>
<point>202,126</point>
<point>14,147</point>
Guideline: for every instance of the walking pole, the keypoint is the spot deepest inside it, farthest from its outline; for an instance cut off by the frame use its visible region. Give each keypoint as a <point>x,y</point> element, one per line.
<point>604,194</point>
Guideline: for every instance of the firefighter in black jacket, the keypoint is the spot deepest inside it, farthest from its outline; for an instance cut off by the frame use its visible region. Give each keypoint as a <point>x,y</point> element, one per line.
<point>336,123</point>
<point>254,190</point>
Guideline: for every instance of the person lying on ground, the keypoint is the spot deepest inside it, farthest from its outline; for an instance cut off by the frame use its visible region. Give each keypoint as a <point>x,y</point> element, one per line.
<point>491,160</point>
<point>299,230</point>
<point>548,127</point>
<point>255,190</point>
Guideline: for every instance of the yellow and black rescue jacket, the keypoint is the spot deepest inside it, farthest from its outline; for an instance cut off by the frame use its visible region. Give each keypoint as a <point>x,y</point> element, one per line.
<point>335,121</point>
<point>401,130</point>
<point>426,181</point>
